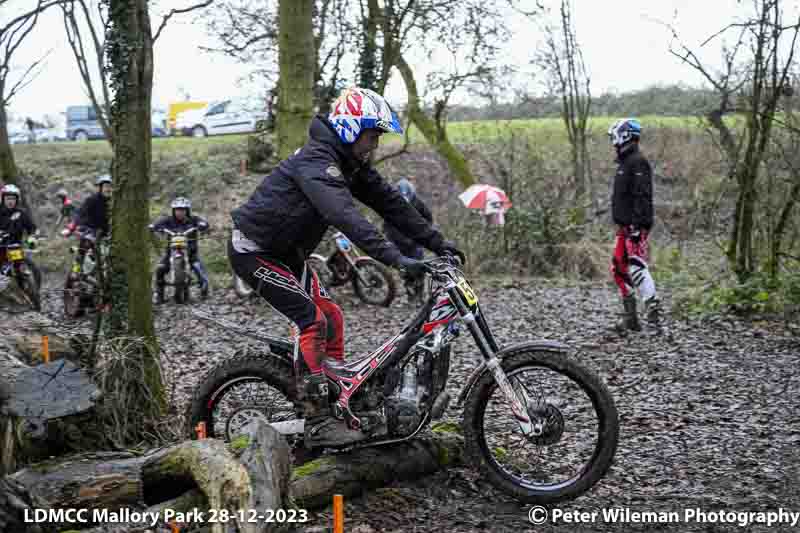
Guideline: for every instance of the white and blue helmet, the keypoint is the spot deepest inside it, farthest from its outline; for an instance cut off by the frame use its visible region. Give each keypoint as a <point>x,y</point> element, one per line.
<point>623,131</point>
<point>356,110</point>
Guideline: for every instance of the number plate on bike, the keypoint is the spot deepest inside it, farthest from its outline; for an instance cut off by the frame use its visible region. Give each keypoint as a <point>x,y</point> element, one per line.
<point>15,255</point>
<point>466,290</point>
<point>179,242</point>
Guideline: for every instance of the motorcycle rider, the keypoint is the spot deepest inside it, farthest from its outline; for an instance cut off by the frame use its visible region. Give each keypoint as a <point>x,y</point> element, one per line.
<point>67,208</point>
<point>181,220</point>
<point>92,221</point>
<point>632,212</point>
<point>16,222</point>
<point>286,217</point>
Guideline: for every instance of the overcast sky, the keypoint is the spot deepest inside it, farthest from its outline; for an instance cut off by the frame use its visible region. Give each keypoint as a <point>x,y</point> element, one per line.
<point>624,46</point>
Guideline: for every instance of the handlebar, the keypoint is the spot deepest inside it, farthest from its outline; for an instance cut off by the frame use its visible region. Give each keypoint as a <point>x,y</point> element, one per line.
<point>177,233</point>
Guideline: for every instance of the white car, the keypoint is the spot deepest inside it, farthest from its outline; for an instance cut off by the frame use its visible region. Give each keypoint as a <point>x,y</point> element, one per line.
<point>217,118</point>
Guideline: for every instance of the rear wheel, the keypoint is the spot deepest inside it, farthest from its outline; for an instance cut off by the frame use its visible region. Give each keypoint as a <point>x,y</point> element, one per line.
<point>373,282</point>
<point>577,424</point>
<point>240,390</point>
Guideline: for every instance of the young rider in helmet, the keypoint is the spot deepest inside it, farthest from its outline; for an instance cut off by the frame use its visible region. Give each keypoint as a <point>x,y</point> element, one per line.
<point>181,220</point>
<point>632,212</point>
<point>287,216</point>
<point>93,218</point>
<point>66,209</point>
<point>14,221</point>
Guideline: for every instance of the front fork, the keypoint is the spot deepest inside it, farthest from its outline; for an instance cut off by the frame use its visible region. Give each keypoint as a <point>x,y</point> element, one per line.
<point>518,400</point>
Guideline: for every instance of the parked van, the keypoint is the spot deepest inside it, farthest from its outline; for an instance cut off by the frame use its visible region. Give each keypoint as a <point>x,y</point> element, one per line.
<point>176,108</point>
<point>217,118</point>
<point>82,123</point>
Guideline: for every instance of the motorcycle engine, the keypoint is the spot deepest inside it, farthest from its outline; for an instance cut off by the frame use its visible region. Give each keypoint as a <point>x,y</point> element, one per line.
<point>405,406</point>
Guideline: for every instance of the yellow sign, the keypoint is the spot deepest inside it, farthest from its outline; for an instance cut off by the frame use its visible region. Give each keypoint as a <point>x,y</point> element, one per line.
<point>467,291</point>
<point>15,255</point>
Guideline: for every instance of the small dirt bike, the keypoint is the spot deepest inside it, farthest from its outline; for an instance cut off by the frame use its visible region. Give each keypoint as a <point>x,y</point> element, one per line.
<point>179,276</point>
<point>82,287</point>
<point>538,425</point>
<point>372,282</point>
<point>18,268</point>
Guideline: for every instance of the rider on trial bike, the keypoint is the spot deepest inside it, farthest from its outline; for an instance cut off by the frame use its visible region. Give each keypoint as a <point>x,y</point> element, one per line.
<point>286,217</point>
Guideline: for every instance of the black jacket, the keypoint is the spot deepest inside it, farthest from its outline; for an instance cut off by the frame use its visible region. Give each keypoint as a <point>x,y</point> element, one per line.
<point>17,222</point>
<point>171,223</point>
<point>398,237</point>
<point>94,213</point>
<point>291,209</point>
<point>632,199</point>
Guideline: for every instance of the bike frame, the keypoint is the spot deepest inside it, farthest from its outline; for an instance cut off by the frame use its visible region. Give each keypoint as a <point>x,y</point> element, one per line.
<point>178,250</point>
<point>451,303</point>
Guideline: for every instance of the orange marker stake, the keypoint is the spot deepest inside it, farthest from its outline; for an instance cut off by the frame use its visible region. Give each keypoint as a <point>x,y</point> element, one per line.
<point>201,430</point>
<point>338,513</point>
<point>45,348</point>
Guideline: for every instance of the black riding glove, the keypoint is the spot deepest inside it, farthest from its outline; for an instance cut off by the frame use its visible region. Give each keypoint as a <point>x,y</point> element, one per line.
<point>449,248</point>
<point>412,267</point>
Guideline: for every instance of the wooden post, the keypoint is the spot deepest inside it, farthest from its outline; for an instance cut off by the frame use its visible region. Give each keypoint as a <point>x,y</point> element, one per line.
<point>243,167</point>
<point>338,513</point>
<point>45,349</point>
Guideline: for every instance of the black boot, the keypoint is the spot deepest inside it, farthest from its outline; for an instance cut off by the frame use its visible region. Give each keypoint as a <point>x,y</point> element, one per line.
<point>321,427</point>
<point>630,319</point>
<point>653,313</point>
<point>159,294</point>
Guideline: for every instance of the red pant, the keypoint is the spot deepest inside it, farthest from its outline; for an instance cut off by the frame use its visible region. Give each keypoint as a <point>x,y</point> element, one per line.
<point>629,252</point>
<point>307,305</point>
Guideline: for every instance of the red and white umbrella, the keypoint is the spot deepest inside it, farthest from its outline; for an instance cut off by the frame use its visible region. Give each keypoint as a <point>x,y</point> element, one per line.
<point>480,196</point>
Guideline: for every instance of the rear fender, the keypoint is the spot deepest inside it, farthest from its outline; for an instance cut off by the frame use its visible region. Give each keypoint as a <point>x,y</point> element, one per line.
<point>539,346</point>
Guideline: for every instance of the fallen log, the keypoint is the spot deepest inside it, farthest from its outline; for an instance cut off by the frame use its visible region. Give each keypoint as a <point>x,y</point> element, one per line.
<point>349,474</point>
<point>191,476</point>
<point>15,501</point>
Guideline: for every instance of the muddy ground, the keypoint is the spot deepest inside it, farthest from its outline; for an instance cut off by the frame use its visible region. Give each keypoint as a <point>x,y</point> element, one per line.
<point>708,419</point>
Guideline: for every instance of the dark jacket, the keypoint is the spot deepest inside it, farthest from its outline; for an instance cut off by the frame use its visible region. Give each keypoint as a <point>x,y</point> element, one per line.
<point>291,209</point>
<point>94,213</point>
<point>405,244</point>
<point>632,199</point>
<point>17,222</point>
<point>171,223</point>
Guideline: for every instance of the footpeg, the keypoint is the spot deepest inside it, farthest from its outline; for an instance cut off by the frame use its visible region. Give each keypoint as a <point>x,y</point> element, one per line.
<point>344,412</point>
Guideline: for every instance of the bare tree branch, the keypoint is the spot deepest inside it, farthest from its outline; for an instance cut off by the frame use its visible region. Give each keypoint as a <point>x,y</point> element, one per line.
<point>173,12</point>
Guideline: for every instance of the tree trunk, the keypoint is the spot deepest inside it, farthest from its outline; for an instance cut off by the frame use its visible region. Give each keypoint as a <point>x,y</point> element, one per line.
<point>780,228</point>
<point>438,139</point>
<point>8,168</point>
<point>130,51</point>
<point>296,82</point>
<point>44,410</point>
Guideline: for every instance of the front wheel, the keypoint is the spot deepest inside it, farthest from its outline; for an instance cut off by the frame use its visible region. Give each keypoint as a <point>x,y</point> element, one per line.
<point>30,288</point>
<point>240,390</point>
<point>73,301</point>
<point>373,282</point>
<point>577,429</point>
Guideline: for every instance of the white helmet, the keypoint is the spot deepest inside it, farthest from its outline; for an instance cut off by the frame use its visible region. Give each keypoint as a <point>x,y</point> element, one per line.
<point>181,203</point>
<point>9,190</point>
